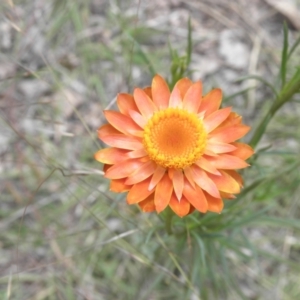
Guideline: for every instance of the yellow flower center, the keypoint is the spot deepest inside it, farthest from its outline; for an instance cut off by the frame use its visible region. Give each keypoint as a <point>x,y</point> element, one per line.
<point>174,138</point>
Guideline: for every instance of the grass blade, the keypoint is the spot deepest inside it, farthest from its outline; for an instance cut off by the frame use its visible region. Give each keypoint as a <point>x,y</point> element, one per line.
<point>189,44</point>
<point>284,57</point>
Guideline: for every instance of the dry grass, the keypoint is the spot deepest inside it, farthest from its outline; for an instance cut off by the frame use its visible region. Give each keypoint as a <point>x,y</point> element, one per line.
<point>63,234</point>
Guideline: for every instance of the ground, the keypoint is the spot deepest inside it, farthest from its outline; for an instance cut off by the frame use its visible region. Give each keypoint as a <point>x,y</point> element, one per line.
<point>63,234</point>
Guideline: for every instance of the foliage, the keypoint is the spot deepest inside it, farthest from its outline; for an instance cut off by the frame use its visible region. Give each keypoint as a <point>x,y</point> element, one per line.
<point>65,236</point>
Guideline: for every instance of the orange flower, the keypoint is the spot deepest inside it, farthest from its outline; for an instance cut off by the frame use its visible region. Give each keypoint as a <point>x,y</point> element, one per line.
<point>174,148</point>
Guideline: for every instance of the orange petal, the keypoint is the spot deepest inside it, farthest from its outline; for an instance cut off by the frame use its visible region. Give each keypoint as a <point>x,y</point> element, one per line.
<point>111,156</point>
<point>236,176</point>
<point>114,138</point>
<point>160,92</point>
<point>213,120</point>
<point>242,151</point>
<point>148,91</point>
<point>143,172</point>
<point>207,166</point>
<point>183,85</point>
<point>227,162</point>
<point>119,186</point>
<point>202,180</point>
<point>209,153</point>
<point>144,103</point>
<point>171,173</point>
<point>192,98</point>
<point>214,204</point>
<point>137,118</point>
<point>225,183</point>
<point>123,123</point>
<point>107,129</point>
<point>122,141</point>
<point>195,196</point>
<point>233,119</point>
<point>123,169</point>
<point>188,173</point>
<point>180,208</point>
<point>163,192</point>
<point>126,103</point>
<point>227,196</point>
<point>218,147</point>
<point>139,192</point>
<point>175,97</point>
<point>211,102</point>
<point>230,134</point>
<point>192,209</point>
<point>137,153</point>
<point>157,176</point>
<point>106,167</point>
<point>178,183</point>
<point>147,205</point>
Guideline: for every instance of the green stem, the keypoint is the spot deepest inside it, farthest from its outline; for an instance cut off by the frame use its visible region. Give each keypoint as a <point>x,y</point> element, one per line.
<point>168,221</point>
<point>286,94</point>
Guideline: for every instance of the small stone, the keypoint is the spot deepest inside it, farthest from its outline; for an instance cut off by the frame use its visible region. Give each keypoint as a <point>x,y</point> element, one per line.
<point>34,88</point>
<point>233,50</point>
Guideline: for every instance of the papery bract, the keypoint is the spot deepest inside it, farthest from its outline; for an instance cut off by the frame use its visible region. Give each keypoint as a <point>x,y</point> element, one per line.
<point>175,149</point>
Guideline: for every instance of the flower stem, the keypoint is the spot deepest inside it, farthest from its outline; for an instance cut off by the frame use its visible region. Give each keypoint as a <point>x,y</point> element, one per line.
<point>286,94</point>
<point>168,221</point>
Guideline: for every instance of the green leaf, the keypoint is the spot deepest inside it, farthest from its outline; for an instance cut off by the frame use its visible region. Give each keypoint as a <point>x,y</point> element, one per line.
<point>281,222</point>
<point>245,220</point>
<point>189,44</point>
<point>201,247</point>
<point>284,56</point>
<point>265,82</point>
<point>142,54</point>
<point>294,47</point>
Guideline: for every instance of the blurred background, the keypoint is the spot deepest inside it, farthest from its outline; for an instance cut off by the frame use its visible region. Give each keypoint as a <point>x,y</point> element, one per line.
<point>63,235</point>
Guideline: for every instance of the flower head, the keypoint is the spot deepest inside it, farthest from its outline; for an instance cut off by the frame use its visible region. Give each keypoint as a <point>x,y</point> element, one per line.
<point>174,149</point>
